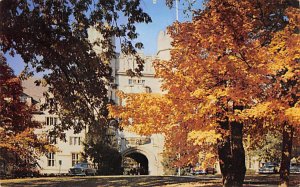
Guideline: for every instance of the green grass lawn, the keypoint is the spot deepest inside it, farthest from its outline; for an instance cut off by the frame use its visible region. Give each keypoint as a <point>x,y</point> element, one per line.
<point>97,181</point>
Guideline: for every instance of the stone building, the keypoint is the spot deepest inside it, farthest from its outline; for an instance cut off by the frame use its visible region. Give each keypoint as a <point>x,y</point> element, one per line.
<point>137,151</point>
<point>146,152</point>
<point>69,150</point>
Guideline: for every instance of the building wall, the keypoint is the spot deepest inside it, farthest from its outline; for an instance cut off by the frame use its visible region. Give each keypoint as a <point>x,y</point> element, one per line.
<point>164,46</point>
<point>62,160</point>
<point>152,149</point>
<point>144,84</point>
<point>125,63</point>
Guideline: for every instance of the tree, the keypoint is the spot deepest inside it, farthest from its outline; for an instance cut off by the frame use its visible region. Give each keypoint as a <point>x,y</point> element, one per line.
<point>286,86</point>
<point>105,155</point>
<point>218,72</point>
<point>268,148</point>
<point>20,146</point>
<point>101,147</point>
<point>51,37</point>
<point>282,91</point>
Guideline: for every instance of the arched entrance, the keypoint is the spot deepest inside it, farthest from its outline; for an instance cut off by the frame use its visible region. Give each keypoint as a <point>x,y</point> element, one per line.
<point>135,163</point>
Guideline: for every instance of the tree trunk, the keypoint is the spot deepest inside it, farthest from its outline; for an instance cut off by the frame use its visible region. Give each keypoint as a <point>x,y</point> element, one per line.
<point>232,155</point>
<point>287,142</point>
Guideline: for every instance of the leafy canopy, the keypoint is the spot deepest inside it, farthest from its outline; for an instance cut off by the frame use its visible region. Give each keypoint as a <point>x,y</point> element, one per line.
<point>52,37</point>
<point>17,136</point>
<point>237,61</point>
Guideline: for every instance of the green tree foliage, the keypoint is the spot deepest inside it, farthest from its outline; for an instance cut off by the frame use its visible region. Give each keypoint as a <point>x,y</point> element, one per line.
<point>268,148</point>
<point>51,36</point>
<point>101,147</point>
<point>269,145</point>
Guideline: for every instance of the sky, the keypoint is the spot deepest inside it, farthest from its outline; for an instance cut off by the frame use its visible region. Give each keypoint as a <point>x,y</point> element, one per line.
<point>161,16</point>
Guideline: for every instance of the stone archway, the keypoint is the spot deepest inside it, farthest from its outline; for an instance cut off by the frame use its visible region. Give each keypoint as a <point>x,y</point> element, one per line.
<point>151,153</point>
<point>135,163</point>
<point>141,154</point>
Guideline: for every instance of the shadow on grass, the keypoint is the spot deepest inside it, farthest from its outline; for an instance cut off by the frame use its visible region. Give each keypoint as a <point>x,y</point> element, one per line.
<point>146,181</point>
<point>270,180</point>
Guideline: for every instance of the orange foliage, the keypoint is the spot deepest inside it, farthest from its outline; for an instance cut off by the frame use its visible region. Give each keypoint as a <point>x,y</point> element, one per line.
<point>17,135</point>
<point>236,61</point>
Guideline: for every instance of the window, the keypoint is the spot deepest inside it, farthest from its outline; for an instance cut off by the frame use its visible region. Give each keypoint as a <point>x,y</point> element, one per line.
<point>23,99</point>
<point>140,81</point>
<point>52,139</point>
<point>75,158</point>
<point>120,101</point>
<point>148,89</point>
<point>51,159</point>
<point>75,140</point>
<point>110,94</point>
<point>135,81</point>
<point>51,120</point>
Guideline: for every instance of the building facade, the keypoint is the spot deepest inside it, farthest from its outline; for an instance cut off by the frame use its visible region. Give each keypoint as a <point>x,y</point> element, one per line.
<point>69,150</point>
<point>146,151</point>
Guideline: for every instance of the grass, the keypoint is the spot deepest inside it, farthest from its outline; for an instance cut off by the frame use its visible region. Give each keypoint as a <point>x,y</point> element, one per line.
<point>147,181</point>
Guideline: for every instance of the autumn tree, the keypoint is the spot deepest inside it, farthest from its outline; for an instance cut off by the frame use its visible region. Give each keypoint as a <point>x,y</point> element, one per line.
<point>52,37</point>
<point>286,86</point>
<point>280,106</point>
<point>219,70</point>
<point>19,145</point>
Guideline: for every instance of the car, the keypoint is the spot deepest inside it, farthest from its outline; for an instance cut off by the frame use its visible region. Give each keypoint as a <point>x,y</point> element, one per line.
<point>294,168</point>
<point>210,170</point>
<point>82,169</point>
<point>199,172</point>
<point>268,168</point>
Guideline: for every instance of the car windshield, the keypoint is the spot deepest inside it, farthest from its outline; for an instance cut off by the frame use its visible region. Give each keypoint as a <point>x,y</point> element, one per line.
<point>295,165</point>
<point>81,165</point>
<point>270,165</point>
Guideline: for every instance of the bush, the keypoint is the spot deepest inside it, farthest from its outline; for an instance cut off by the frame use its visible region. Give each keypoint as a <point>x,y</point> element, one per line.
<point>26,172</point>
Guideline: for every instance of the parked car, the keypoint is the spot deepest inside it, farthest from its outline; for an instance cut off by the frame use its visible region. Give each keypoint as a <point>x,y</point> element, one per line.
<point>295,168</point>
<point>82,169</point>
<point>205,171</point>
<point>210,170</point>
<point>199,172</point>
<point>268,168</point>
